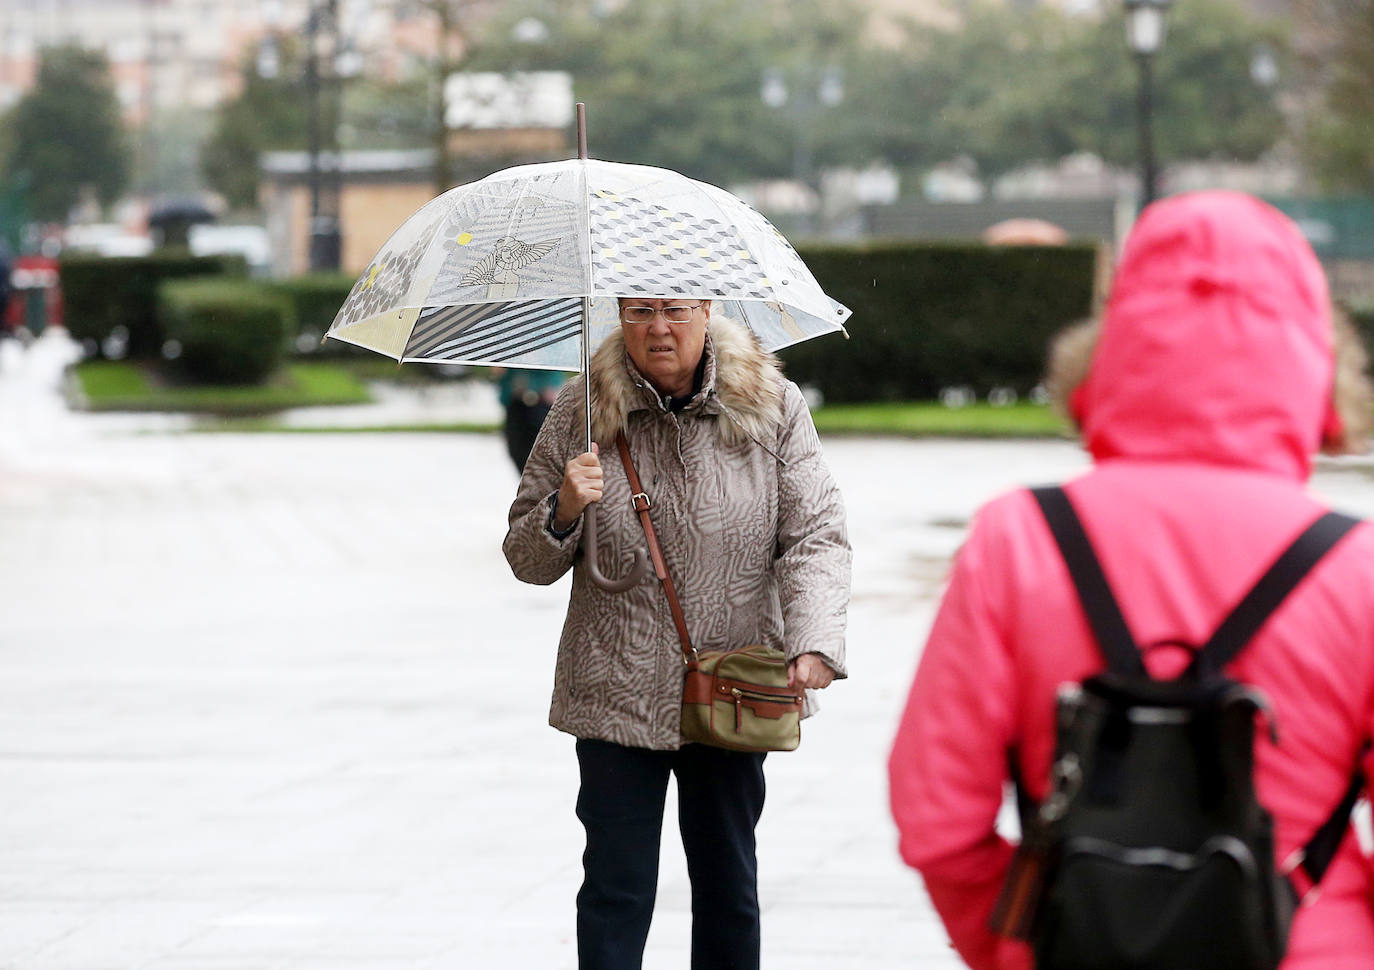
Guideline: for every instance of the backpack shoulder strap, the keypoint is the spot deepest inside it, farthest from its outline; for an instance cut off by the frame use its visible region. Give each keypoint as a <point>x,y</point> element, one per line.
<point>1307,866</point>
<point>1282,577</point>
<point>1114,638</point>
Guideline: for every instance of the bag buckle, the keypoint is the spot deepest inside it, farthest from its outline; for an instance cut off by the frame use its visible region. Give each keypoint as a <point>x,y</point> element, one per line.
<point>640,497</point>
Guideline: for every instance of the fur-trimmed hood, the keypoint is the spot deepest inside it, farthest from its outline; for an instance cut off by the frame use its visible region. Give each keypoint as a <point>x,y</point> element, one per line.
<point>742,383</point>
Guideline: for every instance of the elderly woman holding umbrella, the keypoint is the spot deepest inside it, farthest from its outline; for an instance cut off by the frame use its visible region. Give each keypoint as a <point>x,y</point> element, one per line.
<point>753,532</point>
<point>516,269</point>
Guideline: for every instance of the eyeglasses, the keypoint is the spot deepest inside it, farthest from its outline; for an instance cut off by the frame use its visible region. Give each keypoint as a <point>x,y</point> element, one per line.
<point>678,313</point>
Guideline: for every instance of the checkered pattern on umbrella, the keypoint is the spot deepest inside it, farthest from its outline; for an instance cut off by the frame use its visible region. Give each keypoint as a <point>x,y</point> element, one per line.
<point>638,247</point>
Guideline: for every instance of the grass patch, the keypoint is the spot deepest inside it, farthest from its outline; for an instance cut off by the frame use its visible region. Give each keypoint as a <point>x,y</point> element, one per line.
<point>103,380</point>
<point>123,386</point>
<point>268,426</point>
<point>375,367</point>
<point>928,418</point>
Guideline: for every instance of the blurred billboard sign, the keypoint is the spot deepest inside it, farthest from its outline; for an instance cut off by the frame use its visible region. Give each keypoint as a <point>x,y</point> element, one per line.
<point>486,100</point>
<point>1337,227</point>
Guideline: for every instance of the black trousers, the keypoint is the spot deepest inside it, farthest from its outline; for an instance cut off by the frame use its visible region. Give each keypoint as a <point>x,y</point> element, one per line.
<point>620,804</point>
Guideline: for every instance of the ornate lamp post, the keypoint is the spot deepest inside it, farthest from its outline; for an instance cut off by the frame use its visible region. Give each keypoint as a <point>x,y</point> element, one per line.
<point>811,89</point>
<point>1145,36</point>
<point>322,116</point>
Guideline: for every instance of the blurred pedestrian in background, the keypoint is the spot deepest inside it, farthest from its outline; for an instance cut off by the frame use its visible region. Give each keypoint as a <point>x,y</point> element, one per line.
<point>753,533</point>
<point>526,396</point>
<point>1215,376</point>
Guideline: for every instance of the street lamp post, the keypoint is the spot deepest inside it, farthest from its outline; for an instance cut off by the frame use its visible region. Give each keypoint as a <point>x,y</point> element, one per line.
<point>1145,36</point>
<point>322,134</point>
<point>812,90</point>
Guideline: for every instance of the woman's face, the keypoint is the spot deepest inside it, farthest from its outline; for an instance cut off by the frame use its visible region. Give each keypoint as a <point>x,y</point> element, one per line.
<point>666,353</point>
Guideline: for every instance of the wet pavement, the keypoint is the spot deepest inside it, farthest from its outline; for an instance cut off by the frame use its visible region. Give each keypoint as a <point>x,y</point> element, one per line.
<point>275,702</point>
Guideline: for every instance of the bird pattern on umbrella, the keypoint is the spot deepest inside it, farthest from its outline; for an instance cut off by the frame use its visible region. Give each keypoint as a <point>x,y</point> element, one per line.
<point>498,268</point>
<point>506,237</point>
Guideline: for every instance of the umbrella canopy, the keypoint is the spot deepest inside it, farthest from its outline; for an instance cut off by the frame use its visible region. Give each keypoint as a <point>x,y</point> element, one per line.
<point>497,271</point>
<point>185,210</point>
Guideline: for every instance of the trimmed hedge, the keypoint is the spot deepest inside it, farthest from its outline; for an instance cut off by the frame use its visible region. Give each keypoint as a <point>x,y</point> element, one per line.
<point>230,331</point>
<point>315,300</point>
<point>101,293</point>
<point>930,316</point>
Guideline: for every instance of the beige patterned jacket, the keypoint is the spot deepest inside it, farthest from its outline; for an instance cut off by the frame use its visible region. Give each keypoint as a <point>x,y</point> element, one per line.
<point>751,524</point>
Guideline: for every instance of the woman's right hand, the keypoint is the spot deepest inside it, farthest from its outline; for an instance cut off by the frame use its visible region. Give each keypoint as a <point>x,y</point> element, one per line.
<point>582,480</point>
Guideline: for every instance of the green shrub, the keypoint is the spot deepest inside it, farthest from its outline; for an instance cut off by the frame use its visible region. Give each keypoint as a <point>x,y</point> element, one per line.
<point>101,293</point>
<point>930,316</point>
<point>315,299</point>
<point>229,331</point>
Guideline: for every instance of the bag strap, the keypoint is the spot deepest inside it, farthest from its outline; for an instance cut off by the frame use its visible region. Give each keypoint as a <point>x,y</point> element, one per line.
<point>1113,637</point>
<point>1286,572</point>
<point>1306,867</point>
<point>640,500</point>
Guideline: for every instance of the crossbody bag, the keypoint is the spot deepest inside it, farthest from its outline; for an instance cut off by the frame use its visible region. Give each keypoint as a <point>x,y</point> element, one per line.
<point>737,699</point>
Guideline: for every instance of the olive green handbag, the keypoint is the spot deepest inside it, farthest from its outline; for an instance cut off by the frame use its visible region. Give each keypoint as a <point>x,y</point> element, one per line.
<point>740,699</point>
<point>737,699</point>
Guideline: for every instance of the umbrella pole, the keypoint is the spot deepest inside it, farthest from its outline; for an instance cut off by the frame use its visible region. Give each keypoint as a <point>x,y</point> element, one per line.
<point>586,300</point>
<point>642,567</point>
<point>587,368</point>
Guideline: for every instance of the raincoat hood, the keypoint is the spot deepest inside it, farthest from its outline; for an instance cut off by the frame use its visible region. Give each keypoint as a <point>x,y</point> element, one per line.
<point>1216,343</point>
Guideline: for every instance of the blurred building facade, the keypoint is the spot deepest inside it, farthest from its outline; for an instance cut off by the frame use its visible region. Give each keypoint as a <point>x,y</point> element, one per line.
<point>493,121</point>
<point>377,190</point>
<point>167,54</point>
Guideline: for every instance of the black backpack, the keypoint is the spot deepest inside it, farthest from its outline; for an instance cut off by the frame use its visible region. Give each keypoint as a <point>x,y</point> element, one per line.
<point>1151,851</point>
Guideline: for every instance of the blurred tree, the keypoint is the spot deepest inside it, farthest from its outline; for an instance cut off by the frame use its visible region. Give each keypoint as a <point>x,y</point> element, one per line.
<point>269,113</point>
<point>66,134</point>
<point>6,137</point>
<point>386,115</point>
<point>170,159</point>
<point>1014,85</point>
<point>987,85</point>
<point>1339,136</point>
<point>680,84</point>
<point>1209,103</point>
<point>457,24</point>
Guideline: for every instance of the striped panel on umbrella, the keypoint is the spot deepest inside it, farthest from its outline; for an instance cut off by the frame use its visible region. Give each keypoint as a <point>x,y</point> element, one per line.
<point>494,332</point>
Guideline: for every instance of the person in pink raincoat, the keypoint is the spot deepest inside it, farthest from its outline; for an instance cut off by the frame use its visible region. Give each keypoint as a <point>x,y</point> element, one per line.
<point>1215,376</point>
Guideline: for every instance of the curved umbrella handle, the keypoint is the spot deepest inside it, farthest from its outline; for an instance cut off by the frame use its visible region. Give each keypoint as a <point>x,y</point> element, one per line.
<point>641,568</point>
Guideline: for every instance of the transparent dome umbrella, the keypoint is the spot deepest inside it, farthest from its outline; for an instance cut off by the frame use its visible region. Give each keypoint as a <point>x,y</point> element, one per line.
<point>523,268</point>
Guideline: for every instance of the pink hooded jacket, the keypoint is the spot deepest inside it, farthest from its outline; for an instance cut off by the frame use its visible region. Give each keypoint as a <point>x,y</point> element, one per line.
<point>1209,391</point>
